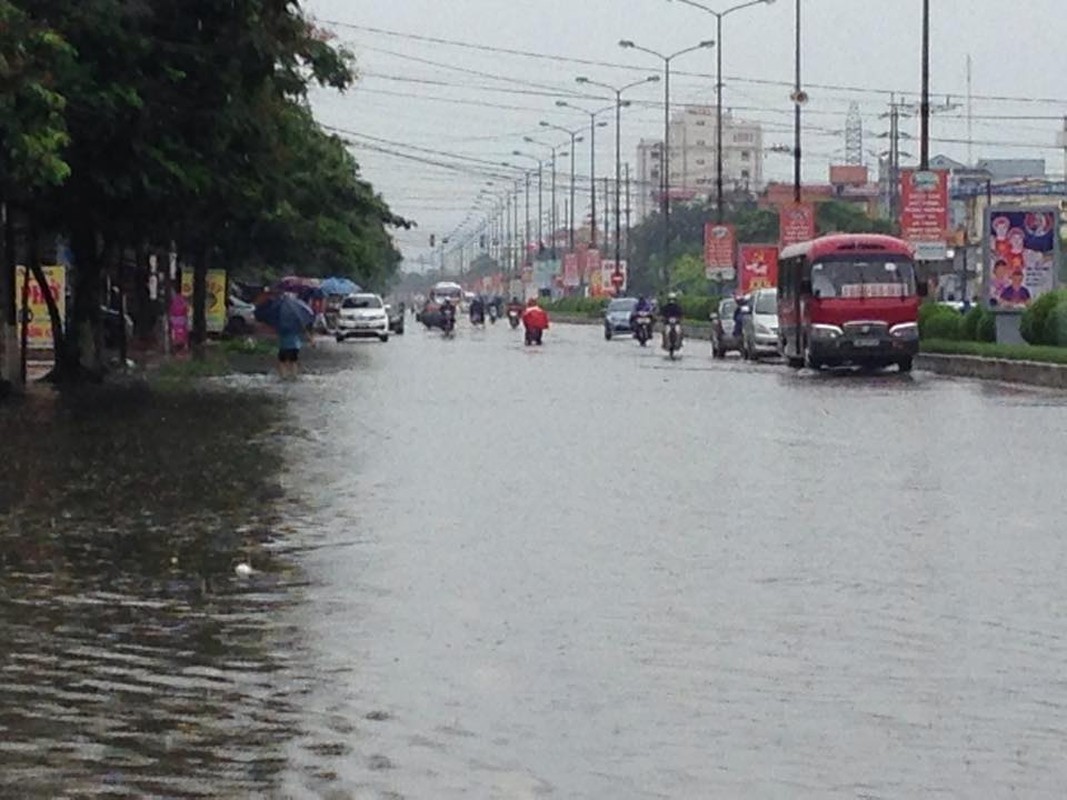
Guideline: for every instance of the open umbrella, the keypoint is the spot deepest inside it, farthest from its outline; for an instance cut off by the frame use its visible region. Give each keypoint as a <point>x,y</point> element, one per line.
<point>286,314</point>
<point>342,286</point>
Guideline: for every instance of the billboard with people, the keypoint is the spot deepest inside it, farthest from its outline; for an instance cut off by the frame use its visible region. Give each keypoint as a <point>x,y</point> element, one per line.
<point>1021,254</point>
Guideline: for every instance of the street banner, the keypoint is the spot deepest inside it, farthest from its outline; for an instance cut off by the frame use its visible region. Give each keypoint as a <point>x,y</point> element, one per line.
<point>924,212</point>
<point>596,285</point>
<point>214,301</point>
<point>759,267</point>
<point>611,284</point>
<point>719,246</point>
<point>39,327</point>
<point>592,264</point>
<point>571,275</point>
<point>1022,250</point>
<point>796,224</point>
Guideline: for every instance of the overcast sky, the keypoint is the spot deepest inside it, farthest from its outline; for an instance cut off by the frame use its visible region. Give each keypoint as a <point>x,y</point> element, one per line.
<point>461,104</point>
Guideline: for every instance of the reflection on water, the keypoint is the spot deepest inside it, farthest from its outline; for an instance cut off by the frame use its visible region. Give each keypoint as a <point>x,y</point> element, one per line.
<point>134,660</point>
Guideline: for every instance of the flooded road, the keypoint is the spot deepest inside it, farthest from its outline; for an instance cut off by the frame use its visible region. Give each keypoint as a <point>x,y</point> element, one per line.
<point>581,571</point>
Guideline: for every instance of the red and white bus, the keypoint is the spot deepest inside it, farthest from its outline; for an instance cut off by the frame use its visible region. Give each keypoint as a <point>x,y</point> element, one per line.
<point>848,299</point>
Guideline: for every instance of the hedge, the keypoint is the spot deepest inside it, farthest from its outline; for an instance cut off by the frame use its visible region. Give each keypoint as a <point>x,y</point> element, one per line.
<point>1010,352</point>
<point>1042,323</point>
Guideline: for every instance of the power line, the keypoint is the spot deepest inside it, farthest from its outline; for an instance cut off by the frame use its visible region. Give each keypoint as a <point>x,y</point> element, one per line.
<point>631,67</point>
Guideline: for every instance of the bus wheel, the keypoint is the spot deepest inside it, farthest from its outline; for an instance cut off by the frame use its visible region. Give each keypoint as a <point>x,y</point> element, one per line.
<point>794,363</point>
<point>905,364</point>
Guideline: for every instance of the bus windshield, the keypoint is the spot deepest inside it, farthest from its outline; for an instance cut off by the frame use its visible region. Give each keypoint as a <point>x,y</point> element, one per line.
<point>860,279</point>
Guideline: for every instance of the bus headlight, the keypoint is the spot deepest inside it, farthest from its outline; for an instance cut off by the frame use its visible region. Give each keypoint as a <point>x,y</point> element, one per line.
<point>906,330</point>
<point>826,332</point>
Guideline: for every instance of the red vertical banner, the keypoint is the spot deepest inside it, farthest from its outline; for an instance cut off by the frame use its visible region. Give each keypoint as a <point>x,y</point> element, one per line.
<point>758,267</point>
<point>796,223</point>
<point>924,211</point>
<point>719,246</point>
<point>571,276</point>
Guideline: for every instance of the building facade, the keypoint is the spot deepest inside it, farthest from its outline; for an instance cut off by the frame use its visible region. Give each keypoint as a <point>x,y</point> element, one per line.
<point>694,160</point>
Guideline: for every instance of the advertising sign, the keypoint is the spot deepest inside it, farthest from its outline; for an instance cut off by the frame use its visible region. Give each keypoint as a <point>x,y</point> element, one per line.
<point>924,212</point>
<point>571,275</point>
<point>592,264</point>
<point>719,241</point>
<point>759,267</point>
<point>214,301</point>
<point>39,327</point>
<point>609,281</point>
<point>1021,254</point>
<point>796,223</point>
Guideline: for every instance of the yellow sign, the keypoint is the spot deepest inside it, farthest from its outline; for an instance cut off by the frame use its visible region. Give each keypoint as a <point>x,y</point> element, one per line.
<point>214,302</point>
<point>39,328</point>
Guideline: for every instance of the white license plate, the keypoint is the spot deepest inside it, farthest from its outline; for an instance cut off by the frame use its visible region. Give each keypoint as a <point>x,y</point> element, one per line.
<point>866,342</point>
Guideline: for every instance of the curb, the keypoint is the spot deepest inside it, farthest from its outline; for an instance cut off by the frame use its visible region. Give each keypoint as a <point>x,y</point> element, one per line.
<point>1033,373</point>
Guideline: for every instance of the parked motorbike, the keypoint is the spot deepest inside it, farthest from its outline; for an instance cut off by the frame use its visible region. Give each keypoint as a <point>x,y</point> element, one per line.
<point>672,337</point>
<point>643,327</point>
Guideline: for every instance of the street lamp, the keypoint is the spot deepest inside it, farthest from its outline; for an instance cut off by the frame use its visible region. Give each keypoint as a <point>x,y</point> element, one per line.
<point>924,123</point>
<point>540,202</point>
<point>593,125</point>
<point>575,138</point>
<point>618,90</point>
<point>665,160</point>
<point>719,15</point>
<point>552,213</point>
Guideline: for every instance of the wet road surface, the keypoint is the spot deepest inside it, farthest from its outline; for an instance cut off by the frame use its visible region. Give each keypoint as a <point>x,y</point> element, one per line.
<point>581,571</point>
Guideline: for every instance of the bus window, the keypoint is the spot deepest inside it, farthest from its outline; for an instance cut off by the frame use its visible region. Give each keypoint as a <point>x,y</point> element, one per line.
<point>856,279</point>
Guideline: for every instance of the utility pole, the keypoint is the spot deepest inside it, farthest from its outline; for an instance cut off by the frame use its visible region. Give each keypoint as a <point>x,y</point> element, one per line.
<point>924,126</point>
<point>607,209</point>
<point>628,228</point>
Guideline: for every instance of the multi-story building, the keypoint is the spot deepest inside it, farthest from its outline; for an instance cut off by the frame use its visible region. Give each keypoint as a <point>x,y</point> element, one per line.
<point>693,158</point>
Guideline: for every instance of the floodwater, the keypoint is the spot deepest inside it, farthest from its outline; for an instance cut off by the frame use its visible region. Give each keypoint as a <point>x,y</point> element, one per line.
<point>579,571</point>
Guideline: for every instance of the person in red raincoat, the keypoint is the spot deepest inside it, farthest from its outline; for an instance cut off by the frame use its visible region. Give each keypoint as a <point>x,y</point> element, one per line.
<point>535,320</point>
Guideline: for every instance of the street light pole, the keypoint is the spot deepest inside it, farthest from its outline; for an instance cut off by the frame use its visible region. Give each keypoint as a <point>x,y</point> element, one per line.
<point>798,99</point>
<point>593,125</point>
<point>924,127</point>
<point>618,90</point>
<point>575,138</point>
<point>665,159</point>
<point>719,15</point>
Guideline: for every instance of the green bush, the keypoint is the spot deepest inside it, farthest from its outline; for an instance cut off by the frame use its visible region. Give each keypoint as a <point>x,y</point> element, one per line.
<point>987,326</point>
<point>978,325</point>
<point>939,322</point>
<point>1055,328</point>
<point>697,307</point>
<point>1032,325</point>
<point>578,305</point>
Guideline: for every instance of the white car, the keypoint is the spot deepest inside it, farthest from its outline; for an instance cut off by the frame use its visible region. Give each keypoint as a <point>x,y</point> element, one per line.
<point>362,316</point>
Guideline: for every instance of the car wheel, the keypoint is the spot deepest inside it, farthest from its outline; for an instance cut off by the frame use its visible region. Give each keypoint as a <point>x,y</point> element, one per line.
<point>384,338</point>
<point>905,364</point>
<point>607,334</point>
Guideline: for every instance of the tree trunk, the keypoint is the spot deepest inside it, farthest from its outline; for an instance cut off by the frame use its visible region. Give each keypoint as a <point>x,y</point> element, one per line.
<point>85,281</point>
<point>9,364</point>
<point>200,302</point>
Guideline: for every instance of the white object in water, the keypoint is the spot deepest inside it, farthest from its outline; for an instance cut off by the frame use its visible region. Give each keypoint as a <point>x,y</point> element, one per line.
<point>243,570</point>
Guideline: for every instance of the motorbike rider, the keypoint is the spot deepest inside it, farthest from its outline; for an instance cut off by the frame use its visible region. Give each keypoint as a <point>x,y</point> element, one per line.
<point>644,306</point>
<point>448,313</point>
<point>477,310</point>
<point>535,320</point>
<point>672,308</point>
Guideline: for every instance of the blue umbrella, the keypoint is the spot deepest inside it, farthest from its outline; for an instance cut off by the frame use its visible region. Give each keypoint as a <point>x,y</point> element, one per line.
<point>339,286</point>
<point>286,314</point>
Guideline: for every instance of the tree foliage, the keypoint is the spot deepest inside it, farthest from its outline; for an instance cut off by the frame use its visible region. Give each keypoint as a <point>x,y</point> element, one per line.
<point>138,124</point>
